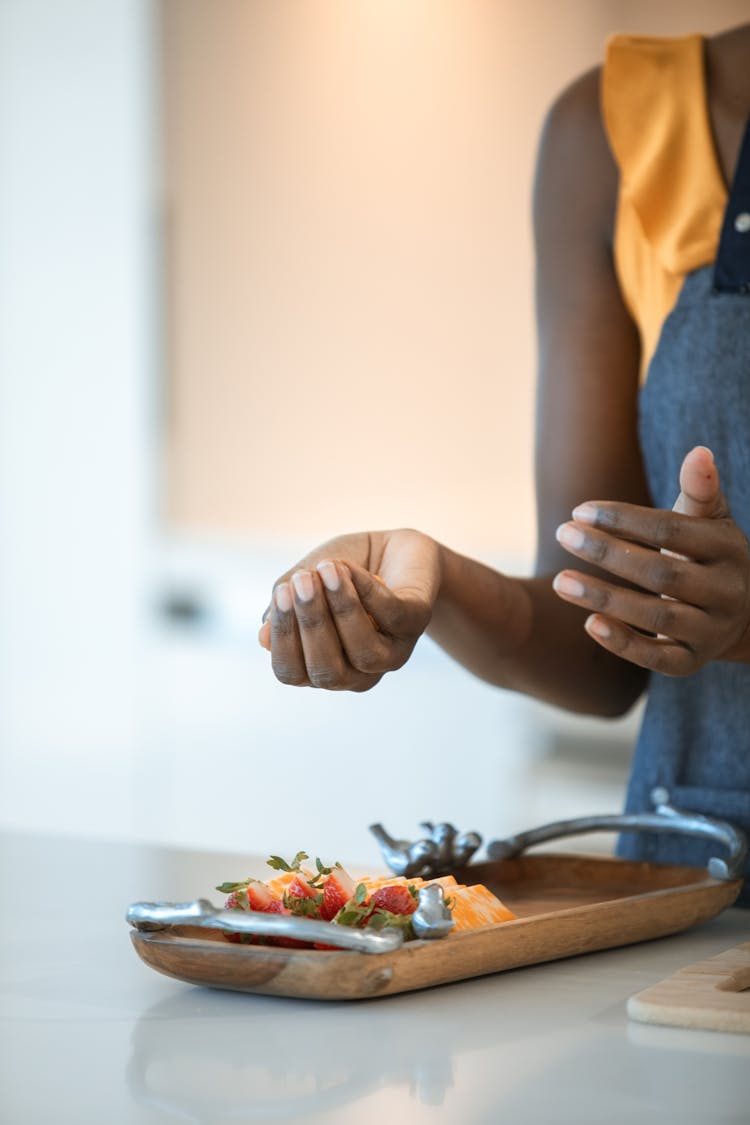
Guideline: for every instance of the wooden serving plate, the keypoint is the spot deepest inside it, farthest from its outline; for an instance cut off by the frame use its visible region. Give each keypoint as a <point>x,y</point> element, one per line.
<point>565,905</point>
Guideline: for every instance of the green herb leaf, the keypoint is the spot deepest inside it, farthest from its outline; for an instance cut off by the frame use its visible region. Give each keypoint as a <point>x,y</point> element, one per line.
<point>230,888</point>
<point>277,863</point>
<point>360,894</point>
<point>303,907</point>
<point>380,918</point>
<point>280,864</point>
<point>347,917</point>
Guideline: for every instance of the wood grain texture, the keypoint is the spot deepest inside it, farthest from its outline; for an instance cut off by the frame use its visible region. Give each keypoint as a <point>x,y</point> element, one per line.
<point>566,905</point>
<point>712,994</point>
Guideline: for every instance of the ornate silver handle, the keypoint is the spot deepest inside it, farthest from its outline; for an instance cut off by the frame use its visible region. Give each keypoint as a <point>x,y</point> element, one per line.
<point>665,818</point>
<point>431,919</point>
<point>149,916</point>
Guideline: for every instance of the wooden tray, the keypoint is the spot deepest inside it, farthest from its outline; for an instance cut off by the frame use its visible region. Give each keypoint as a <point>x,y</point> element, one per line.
<point>566,905</point>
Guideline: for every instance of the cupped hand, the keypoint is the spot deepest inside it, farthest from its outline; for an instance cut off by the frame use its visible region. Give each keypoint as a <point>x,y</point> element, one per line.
<point>352,610</point>
<point>691,567</point>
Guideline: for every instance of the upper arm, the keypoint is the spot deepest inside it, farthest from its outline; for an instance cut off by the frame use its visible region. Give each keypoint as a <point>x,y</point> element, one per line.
<point>589,354</point>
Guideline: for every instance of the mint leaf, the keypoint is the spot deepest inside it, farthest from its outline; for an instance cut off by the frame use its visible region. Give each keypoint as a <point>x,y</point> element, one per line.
<point>229,888</point>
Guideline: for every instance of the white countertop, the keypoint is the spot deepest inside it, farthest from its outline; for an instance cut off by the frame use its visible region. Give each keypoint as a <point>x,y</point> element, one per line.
<point>89,1034</point>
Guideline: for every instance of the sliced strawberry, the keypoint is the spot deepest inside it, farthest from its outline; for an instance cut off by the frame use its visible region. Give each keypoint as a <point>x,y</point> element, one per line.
<point>300,888</point>
<point>338,888</point>
<point>397,900</point>
<point>303,899</point>
<point>260,898</point>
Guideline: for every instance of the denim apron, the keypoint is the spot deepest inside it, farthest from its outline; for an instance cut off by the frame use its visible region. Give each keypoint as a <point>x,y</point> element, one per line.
<point>695,737</point>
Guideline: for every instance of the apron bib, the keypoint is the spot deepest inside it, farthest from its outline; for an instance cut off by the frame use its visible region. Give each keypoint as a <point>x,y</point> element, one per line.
<point>695,737</point>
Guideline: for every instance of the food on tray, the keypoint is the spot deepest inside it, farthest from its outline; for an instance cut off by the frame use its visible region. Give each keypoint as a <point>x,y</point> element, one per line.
<point>330,894</point>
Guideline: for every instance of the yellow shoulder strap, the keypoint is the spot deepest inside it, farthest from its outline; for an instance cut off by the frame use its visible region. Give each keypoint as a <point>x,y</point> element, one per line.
<point>672,194</point>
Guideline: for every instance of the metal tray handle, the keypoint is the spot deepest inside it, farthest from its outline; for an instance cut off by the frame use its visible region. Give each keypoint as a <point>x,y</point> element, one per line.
<point>151,916</point>
<point>431,919</point>
<point>665,818</point>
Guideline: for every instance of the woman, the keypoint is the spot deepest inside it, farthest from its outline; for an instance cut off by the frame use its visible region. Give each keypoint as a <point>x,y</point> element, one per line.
<point>643,302</point>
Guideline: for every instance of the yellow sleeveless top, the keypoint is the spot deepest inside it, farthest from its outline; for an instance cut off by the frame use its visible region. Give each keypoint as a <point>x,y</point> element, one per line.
<point>672,193</point>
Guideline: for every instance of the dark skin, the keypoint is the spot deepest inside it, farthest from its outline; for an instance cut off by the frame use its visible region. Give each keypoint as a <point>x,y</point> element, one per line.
<point>652,589</point>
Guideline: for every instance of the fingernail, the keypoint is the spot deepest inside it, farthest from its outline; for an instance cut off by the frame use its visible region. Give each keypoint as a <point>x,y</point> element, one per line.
<point>283,598</point>
<point>303,585</point>
<point>330,575</point>
<point>570,536</point>
<point>565,584</point>
<point>586,513</point>
<point>597,626</point>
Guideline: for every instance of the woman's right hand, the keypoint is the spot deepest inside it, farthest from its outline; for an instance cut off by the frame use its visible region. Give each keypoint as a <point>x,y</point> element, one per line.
<point>352,610</point>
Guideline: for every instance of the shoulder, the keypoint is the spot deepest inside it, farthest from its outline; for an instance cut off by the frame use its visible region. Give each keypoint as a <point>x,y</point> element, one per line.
<point>728,73</point>
<point>575,113</point>
<point>575,167</point>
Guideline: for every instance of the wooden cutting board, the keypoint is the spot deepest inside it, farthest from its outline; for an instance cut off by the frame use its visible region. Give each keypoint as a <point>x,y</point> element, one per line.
<point>712,994</point>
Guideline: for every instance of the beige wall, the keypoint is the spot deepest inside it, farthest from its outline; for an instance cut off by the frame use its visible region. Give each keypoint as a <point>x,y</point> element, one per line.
<point>350,318</point>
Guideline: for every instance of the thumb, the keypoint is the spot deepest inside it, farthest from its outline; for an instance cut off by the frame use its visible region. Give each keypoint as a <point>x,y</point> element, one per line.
<point>700,492</point>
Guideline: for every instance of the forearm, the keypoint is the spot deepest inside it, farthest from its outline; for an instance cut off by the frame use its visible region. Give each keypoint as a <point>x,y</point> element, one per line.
<point>517,634</point>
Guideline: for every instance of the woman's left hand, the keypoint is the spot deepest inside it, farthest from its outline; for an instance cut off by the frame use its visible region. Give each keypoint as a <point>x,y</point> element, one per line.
<point>693,562</point>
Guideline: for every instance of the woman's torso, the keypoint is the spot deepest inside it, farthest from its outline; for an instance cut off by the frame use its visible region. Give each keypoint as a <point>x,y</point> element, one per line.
<point>695,738</point>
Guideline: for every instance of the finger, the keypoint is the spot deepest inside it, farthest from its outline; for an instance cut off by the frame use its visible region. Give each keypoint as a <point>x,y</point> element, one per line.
<point>365,646</point>
<point>682,622</point>
<point>264,635</point>
<point>692,537</point>
<point>403,613</point>
<point>287,657</point>
<point>324,657</point>
<point>700,492</point>
<point>658,654</point>
<point>649,569</point>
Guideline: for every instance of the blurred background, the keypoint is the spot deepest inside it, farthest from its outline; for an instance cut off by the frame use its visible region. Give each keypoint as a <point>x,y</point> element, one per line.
<point>265,276</point>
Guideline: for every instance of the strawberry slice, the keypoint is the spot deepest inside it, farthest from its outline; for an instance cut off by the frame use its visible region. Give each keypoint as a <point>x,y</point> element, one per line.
<point>256,896</point>
<point>303,898</point>
<point>396,900</point>
<point>260,898</point>
<point>338,888</point>
<point>300,888</point>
